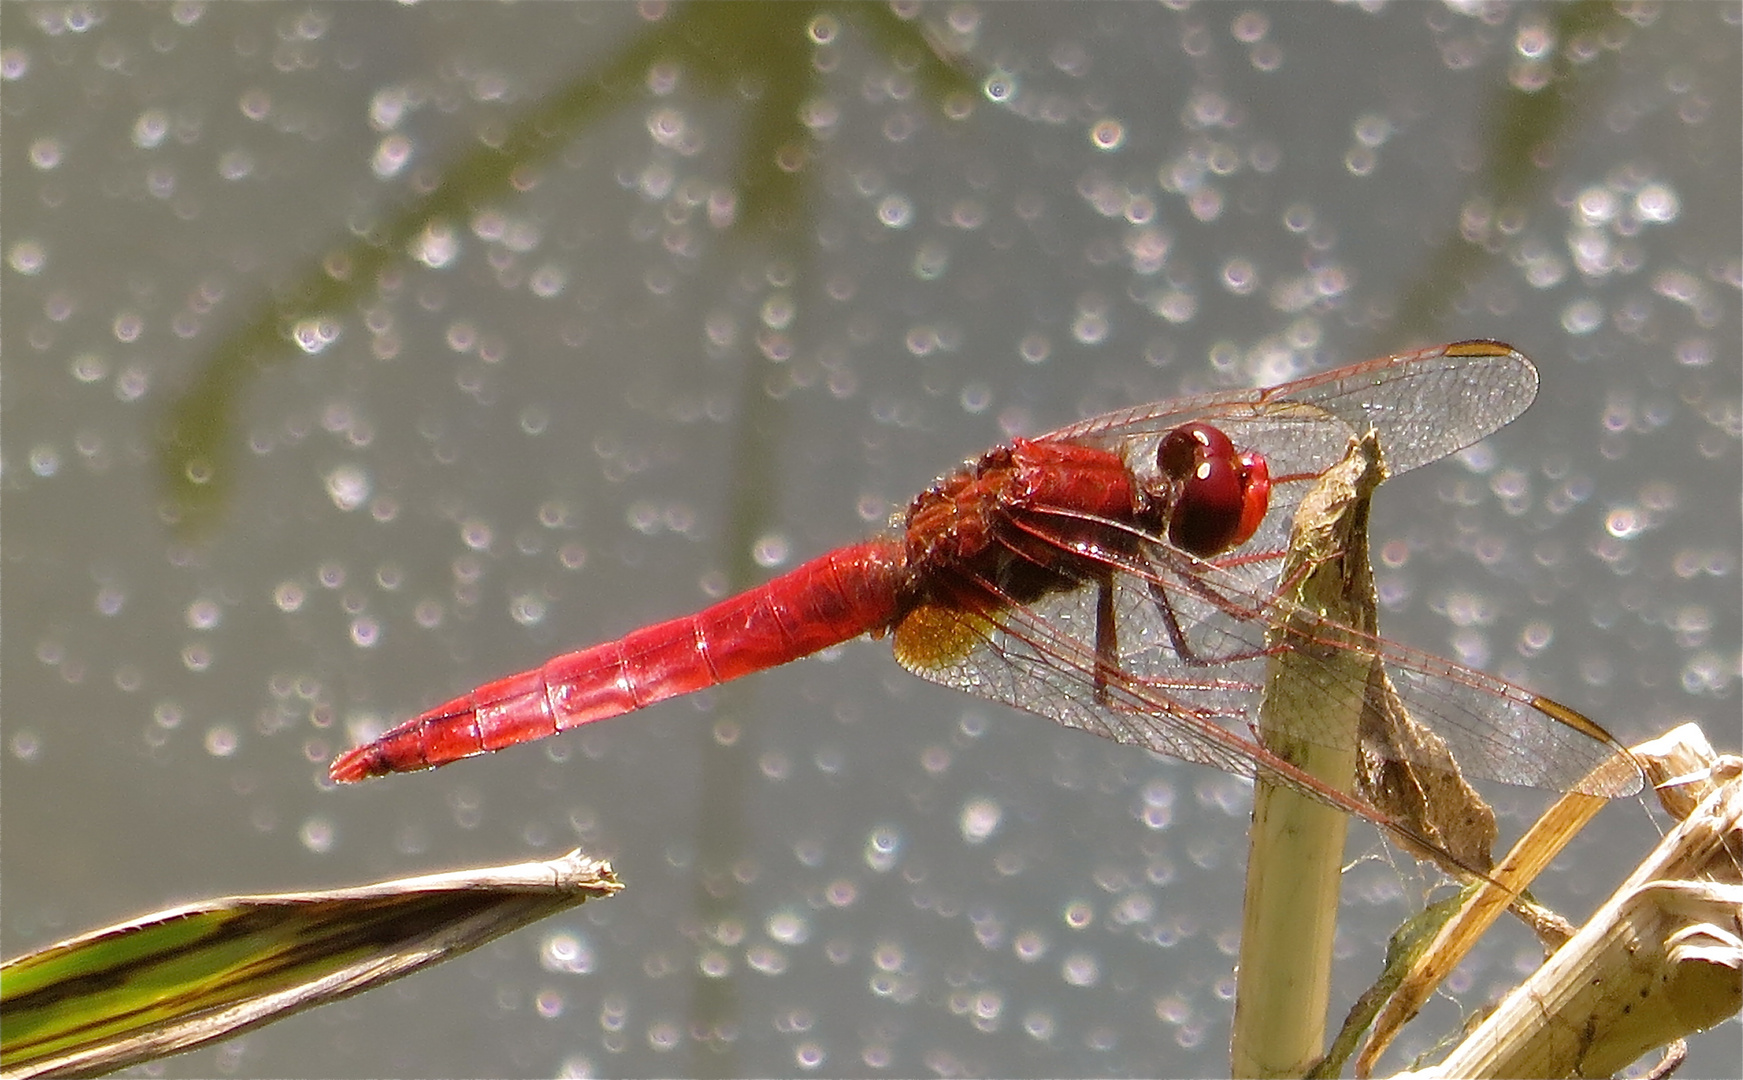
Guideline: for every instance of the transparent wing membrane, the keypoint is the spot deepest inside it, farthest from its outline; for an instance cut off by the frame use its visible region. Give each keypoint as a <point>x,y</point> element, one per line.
<point>1185,669</point>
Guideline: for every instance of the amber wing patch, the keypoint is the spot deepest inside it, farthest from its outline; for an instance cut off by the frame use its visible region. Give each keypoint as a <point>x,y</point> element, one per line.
<point>933,637</point>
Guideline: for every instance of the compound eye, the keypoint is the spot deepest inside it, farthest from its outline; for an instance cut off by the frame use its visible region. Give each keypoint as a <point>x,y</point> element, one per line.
<point>1219,497</point>
<point>1187,445</point>
<point>1208,510</point>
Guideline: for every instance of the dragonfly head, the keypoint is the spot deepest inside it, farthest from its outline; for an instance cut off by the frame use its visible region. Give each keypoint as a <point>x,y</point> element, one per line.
<point>1213,496</point>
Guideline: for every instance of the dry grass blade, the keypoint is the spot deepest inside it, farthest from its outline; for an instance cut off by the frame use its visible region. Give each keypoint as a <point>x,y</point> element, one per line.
<point>176,979</point>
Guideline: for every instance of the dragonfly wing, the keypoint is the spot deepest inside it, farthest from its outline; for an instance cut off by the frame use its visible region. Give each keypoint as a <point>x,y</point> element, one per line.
<point>1425,405</point>
<point>1498,731</point>
<point>1041,659</point>
<point>1494,729</point>
<point>1190,661</point>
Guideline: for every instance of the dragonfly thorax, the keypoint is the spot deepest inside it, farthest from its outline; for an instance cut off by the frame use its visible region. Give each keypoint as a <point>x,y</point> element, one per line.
<point>1030,517</point>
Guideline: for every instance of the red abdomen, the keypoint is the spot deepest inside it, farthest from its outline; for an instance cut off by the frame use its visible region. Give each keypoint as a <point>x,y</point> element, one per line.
<point>849,592</point>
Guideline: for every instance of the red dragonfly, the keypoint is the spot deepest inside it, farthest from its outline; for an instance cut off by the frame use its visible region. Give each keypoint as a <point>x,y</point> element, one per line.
<point>1117,575</point>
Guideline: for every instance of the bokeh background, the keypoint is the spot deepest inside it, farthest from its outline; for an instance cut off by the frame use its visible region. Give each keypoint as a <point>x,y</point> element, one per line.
<point>358,353</point>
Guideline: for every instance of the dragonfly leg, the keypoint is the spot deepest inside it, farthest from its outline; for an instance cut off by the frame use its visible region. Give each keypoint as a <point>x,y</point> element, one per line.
<point>1177,636</point>
<point>1107,646</point>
